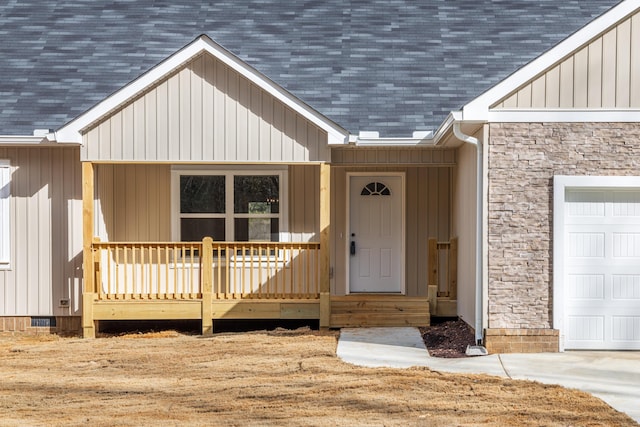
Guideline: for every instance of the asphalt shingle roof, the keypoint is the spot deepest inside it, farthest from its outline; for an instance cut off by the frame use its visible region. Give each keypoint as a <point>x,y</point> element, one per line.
<point>389,65</point>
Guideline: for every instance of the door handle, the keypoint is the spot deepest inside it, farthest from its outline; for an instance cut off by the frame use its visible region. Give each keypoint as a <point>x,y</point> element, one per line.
<point>352,248</point>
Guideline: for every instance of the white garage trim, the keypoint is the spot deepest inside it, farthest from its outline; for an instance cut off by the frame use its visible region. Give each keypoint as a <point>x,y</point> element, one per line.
<point>560,186</point>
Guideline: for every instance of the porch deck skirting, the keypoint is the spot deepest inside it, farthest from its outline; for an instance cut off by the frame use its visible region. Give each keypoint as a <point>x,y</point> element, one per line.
<point>229,280</point>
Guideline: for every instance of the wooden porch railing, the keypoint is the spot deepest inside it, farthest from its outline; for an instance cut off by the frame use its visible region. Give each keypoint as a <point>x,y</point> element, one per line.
<point>443,271</point>
<point>186,270</point>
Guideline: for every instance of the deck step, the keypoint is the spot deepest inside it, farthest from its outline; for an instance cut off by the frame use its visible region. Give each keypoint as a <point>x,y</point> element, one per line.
<point>374,310</point>
<point>446,308</point>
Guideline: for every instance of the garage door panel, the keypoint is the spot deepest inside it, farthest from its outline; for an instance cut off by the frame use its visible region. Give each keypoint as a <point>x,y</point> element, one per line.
<point>626,245</point>
<point>626,328</point>
<point>585,328</point>
<point>602,269</point>
<point>626,203</point>
<point>586,245</point>
<point>585,286</point>
<point>626,287</point>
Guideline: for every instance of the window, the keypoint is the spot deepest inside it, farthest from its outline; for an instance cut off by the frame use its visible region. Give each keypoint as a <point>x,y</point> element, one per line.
<point>375,189</point>
<point>229,206</point>
<point>5,184</point>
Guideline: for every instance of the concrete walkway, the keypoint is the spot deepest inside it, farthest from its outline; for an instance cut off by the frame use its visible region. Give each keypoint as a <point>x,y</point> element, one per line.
<point>611,376</point>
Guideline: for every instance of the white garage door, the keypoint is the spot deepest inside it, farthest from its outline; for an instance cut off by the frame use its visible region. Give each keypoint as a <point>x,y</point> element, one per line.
<point>602,269</point>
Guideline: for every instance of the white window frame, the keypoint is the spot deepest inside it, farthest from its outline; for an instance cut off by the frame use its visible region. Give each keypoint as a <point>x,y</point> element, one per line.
<point>5,211</point>
<point>229,215</point>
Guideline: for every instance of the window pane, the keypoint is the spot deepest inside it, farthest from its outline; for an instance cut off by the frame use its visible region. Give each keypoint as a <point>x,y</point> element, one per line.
<point>257,229</point>
<point>256,194</point>
<point>202,194</point>
<point>195,229</point>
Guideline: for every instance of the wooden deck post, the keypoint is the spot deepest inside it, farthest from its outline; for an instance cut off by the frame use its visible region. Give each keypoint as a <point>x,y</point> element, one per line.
<point>325,227</point>
<point>432,266</point>
<point>206,265</point>
<point>88,291</point>
<point>453,269</point>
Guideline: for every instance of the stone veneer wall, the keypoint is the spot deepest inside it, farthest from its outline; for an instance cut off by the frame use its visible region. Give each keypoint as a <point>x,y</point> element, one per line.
<point>523,159</point>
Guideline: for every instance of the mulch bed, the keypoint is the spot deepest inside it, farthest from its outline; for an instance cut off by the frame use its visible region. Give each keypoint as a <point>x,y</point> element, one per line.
<point>448,339</point>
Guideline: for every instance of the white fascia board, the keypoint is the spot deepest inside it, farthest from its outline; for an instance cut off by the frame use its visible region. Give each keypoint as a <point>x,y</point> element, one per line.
<point>394,142</point>
<point>478,108</point>
<point>25,140</point>
<point>452,117</point>
<point>564,116</point>
<point>71,132</point>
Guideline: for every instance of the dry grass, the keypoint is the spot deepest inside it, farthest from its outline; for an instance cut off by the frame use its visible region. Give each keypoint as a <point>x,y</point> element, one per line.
<point>261,379</point>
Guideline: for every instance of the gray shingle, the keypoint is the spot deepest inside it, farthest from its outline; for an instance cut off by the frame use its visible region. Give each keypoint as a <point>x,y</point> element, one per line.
<point>356,61</point>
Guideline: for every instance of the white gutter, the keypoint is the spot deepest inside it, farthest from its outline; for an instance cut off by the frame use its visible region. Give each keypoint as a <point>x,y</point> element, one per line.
<point>46,139</point>
<point>426,141</point>
<point>479,226</point>
<point>22,140</point>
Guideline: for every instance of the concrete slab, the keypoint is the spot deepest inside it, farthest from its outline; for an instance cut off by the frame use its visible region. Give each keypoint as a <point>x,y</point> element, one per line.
<point>382,347</point>
<point>613,377</point>
<point>403,348</point>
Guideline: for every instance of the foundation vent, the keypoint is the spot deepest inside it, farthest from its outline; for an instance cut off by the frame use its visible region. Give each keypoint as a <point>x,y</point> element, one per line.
<point>43,322</point>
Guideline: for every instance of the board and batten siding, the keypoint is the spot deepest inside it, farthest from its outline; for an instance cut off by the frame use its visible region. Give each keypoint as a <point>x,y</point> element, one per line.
<point>205,111</point>
<point>428,214</point>
<point>304,203</point>
<point>605,73</point>
<point>133,202</point>
<point>46,242</point>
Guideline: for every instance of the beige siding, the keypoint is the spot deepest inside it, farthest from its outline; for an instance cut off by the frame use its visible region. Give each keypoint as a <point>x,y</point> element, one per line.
<point>386,156</point>
<point>605,73</point>
<point>304,196</point>
<point>134,202</point>
<point>46,243</point>
<point>205,111</point>
<point>428,207</point>
<point>464,227</point>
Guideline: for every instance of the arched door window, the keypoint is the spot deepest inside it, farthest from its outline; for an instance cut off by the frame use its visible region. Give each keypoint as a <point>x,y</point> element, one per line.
<point>375,189</point>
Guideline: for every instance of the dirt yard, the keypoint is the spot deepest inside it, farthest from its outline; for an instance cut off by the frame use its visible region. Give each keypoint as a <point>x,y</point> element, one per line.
<point>258,379</point>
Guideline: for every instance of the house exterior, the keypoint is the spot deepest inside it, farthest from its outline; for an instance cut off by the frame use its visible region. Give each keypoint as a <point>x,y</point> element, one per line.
<point>357,170</point>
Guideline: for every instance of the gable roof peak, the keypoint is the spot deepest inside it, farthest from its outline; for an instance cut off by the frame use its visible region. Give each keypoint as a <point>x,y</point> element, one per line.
<point>72,131</point>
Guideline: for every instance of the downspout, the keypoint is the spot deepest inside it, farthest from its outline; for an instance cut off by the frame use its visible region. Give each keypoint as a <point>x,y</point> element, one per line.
<point>479,228</point>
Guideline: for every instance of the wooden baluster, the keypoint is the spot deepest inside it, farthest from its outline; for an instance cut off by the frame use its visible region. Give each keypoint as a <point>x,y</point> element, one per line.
<point>300,283</point>
<point>192,287</point>
<point>109,283</point>
<point>227,259</point>
<point>243,285</point>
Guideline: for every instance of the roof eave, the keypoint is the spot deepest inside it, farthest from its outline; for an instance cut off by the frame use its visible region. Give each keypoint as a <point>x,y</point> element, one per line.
<point>30,140</point>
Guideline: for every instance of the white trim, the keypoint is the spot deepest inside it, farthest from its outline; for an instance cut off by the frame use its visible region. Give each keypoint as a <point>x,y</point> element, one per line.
<point>229,172</point>
<point>564,116</point>
<point>427,141</point>
<point>5,214</point>
<point>71,132</point>
<point>28,140</point>
<point>560,185</point>
<point>402,176</point>
<point>478,108</point>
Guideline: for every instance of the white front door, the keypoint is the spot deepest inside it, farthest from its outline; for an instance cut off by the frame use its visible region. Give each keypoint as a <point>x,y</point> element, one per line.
<point>376,233</point>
